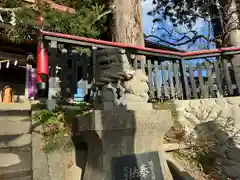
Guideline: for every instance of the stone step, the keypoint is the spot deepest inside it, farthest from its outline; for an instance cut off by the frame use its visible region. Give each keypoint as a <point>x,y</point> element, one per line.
<point>18,175</point>
<point>15,163</point>
<point>25,148</point>
<point>10,127</point>
<point>11,141</point>
<point>15,111</point>
<point>20,178</point>
<point>15,141</point>
<point>15,115</point>
<point>15,106</point>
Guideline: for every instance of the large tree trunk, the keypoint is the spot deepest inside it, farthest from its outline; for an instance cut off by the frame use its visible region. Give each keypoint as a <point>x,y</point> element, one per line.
<point>126,25</point>
<point>217,23</point>
<point>232,25</point>
<point>233,39</point>
<point>126,22</point>
<point>227,27</point>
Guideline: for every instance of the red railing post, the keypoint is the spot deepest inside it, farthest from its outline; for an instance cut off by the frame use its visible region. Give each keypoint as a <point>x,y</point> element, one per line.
<point>42,70</point>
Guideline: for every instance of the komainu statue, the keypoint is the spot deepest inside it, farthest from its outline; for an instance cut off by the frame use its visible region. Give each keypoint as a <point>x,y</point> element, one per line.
<point>118,81</point>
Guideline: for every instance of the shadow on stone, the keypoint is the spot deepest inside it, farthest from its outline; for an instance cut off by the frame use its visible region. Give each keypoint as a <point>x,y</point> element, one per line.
<point>10,141</point>
<point>113,144</point>
<point>178,174</point>
<point>103,137</point>
<point>221,151</point>
<point>124,135</point>
<point>81,149</point>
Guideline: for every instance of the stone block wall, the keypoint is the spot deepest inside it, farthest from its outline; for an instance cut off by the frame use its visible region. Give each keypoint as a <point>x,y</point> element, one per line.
<point>228,107</point>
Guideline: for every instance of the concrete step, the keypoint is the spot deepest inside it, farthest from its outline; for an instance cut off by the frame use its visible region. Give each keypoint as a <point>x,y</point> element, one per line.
<point>19,175</point>
<point>15,111</point>
<point>14,115</point>
<point>10,127</point>
<point>15,141</point>
<point>20,178</point>
<point>15,106</point>
<point>15,163</point>
<point>11,141</point>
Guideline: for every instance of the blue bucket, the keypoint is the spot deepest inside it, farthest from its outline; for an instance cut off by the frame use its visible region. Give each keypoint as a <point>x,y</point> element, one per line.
<point>80,95</point>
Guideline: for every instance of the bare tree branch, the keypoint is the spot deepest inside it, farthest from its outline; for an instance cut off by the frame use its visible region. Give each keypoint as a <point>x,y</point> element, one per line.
<point>190,40</point>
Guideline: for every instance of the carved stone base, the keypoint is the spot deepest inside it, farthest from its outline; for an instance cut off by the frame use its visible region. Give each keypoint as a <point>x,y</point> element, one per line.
<point>125,144</point>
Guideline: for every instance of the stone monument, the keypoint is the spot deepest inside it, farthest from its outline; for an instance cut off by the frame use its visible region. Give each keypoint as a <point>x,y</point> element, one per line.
<point>125,134</point>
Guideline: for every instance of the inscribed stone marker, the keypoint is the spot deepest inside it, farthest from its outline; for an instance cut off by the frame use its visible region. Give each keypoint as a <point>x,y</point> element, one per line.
<point>144,166</point>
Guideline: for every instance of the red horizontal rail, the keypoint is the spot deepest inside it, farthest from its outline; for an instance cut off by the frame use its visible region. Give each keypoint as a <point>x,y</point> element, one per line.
<point>120,45</point>
<point>108,43</point>
<point>210,51</point>
<point>60,8</point>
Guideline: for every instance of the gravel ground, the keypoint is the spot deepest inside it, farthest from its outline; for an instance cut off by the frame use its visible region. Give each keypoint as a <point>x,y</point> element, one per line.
<point>192,168</point>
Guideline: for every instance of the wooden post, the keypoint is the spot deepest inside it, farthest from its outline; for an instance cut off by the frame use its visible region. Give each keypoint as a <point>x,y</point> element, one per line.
<point>63,72</point>
<point>73,87</point>
<point>53,85</point>
<point>184,80</point>
<point>26,95</point>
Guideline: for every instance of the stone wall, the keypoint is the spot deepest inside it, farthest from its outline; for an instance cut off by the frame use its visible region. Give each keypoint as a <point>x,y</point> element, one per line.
<point>228,107</point>
<point>56,165</point>
<point>215,117</point>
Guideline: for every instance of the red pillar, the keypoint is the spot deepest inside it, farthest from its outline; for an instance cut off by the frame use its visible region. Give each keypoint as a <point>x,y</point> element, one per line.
<point>42,70</point>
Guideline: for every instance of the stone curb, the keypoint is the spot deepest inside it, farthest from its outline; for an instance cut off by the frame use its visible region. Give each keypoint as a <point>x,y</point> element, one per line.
<point>40,160</point>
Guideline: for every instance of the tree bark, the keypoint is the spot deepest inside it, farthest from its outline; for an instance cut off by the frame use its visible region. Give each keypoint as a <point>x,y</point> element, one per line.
<point>217,23</point>
<point>126,22</point>
<point>233,39</point>
<point>232,25</point>
<point>227,27</point>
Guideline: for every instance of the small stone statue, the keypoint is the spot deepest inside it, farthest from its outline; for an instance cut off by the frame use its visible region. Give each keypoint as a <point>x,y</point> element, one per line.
<point>137,87</point>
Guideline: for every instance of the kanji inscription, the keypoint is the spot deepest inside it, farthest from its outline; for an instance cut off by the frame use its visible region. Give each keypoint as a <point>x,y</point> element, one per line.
<point>144,166</point>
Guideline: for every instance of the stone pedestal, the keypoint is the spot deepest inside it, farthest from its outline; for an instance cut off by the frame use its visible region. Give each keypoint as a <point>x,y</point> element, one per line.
<point>126,144</point>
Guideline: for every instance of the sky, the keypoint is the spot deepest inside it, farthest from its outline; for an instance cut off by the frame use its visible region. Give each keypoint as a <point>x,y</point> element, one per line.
<point>201,26</point>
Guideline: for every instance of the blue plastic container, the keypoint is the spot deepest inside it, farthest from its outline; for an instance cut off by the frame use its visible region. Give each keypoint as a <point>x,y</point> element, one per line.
<point>80,95</point>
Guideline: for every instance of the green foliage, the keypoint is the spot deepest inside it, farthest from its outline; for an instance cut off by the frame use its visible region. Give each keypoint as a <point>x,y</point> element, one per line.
<point>87,21</point>
<point>180,12</point>
<point>10,3</point>
<point>183,15</point>
<point>25,26</point>
<point>63,143</point>
<point>83,23</point>
<point>57,126</point>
